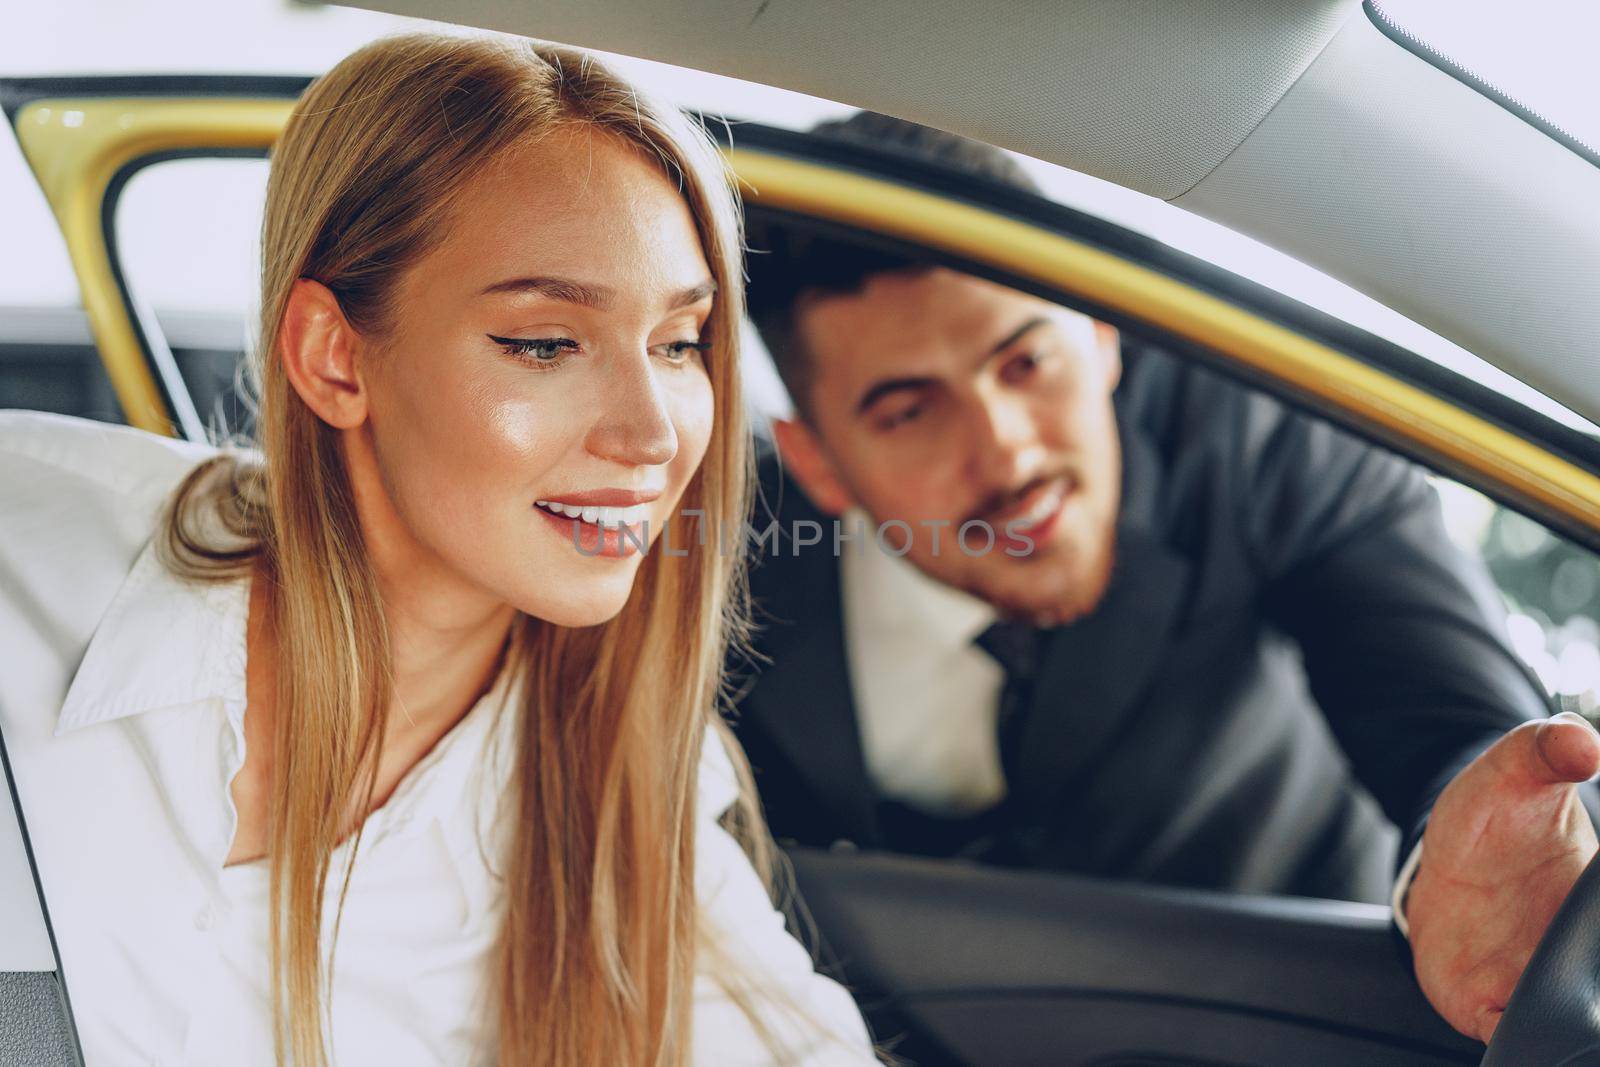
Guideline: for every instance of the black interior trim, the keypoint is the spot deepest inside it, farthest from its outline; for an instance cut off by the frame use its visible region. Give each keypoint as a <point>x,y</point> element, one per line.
<point>34,1031</point>
<point>923,938</point>
<point>17,93</point>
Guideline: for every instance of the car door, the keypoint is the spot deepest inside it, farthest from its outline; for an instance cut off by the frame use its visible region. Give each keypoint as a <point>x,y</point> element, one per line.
<point>35,1018</point>
<point>1306,981</point>
<point>975,966</point>
<point>84,139</point>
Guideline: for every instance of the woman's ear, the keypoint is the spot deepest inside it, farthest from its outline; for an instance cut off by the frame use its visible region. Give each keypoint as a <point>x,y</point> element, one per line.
<point>319,349</point>
<point>802,454</point>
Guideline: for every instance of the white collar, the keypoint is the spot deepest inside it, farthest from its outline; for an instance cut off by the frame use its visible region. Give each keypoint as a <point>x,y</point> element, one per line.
<point>164,641</point>
<point>896,597</point>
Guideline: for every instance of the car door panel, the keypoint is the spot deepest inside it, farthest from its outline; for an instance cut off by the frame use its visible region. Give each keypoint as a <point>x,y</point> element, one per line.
<point>35,1020</point>
<point>974,966</point>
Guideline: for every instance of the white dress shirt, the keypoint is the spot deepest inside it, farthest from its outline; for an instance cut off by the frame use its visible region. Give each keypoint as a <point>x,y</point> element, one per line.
<point>122,700</point>
<point>926,697</point>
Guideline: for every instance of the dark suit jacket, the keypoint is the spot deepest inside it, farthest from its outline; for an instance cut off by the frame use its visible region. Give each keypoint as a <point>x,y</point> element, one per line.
<point>1288,634</point>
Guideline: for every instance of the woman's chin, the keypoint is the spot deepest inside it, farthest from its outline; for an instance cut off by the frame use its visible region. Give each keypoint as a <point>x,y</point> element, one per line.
<point>585,607</point>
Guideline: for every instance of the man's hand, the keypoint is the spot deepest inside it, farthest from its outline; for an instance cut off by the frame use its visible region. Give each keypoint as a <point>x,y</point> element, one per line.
<point>1504,844</point>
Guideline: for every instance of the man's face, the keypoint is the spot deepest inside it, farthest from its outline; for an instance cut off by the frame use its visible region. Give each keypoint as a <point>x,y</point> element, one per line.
<point>941,399</point>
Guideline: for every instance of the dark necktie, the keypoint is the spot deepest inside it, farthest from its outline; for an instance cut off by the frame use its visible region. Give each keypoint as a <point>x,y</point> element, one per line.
<point>985,834</point>
<point>1015,646</point>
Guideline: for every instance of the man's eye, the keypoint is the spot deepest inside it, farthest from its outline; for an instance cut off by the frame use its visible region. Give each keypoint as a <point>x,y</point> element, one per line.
<point>901,417</point>
<point>1020,367</point>
<point>544,351</point>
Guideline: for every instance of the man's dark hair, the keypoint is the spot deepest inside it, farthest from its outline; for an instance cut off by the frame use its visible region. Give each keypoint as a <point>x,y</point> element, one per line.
<point>789,264</point>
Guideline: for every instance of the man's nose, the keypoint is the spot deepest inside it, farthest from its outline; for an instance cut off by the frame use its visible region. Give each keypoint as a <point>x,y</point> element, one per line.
<point>634,427</point>
<point>1005,449</point>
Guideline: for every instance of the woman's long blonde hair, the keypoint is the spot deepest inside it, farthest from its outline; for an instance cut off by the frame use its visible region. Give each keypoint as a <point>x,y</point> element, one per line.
<point>596,957</point>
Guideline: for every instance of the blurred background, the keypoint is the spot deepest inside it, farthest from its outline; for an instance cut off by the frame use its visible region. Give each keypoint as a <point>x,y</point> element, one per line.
<point>187,233</point>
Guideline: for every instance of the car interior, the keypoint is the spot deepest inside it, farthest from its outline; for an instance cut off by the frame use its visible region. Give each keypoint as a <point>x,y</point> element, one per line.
<point>955,963</point>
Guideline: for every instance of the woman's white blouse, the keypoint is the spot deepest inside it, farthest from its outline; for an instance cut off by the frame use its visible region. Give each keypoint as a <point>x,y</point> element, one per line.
<point>122,699</point>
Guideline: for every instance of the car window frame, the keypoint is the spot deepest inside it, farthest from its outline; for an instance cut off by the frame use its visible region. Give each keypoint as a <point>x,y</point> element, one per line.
<point>1356,379</point>
<point>85,138</point>
<point>1519,457</point>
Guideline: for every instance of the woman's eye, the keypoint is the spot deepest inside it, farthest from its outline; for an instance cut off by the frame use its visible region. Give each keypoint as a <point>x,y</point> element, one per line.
<point>683,351</point>
<point>540,351</point>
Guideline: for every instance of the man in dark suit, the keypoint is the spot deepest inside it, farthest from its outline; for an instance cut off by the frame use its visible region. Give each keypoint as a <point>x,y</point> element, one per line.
<point>1069,603</point>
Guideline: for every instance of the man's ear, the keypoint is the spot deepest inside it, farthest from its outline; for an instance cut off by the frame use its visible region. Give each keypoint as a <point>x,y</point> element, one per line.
<point>1109,342</point>
<point>802,454</point>
<point>319,350</point>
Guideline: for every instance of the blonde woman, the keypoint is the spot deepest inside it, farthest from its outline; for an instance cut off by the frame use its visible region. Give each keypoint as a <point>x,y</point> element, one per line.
<point>386,744</point>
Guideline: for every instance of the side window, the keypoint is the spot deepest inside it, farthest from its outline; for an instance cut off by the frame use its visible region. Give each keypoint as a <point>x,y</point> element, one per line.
<point>1551,589</point>
<point>187,240</point>
<point>48,360</point>
<point>1277,600</point>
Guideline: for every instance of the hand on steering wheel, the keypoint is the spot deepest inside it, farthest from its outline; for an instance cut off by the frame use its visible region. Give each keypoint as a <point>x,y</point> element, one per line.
<point>1505,844</point>
<point>1554,1015</point>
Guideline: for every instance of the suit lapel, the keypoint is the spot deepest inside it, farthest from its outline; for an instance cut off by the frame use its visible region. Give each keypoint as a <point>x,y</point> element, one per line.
<point>804,702</point>
<point>1093,670</point>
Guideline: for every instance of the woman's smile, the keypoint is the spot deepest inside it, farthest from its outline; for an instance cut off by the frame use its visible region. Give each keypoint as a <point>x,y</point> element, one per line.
<point>599,531</point>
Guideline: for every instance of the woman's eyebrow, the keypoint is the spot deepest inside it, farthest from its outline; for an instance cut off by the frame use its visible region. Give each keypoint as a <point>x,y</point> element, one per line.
<point>693,295</point>
<point>593,296</point>
<point>574,292</point>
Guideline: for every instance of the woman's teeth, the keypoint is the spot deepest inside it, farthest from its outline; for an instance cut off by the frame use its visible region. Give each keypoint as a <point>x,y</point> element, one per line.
<point>605,517</point>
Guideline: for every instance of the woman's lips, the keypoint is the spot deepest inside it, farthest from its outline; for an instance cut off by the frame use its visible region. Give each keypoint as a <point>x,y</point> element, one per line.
<point>595,539</point>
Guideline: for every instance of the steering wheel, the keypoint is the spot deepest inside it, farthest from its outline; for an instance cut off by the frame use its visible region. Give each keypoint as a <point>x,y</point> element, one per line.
<point>1553,1017</point>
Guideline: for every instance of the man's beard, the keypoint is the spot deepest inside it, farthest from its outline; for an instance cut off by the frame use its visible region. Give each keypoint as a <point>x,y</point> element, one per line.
<point>1083,595</point>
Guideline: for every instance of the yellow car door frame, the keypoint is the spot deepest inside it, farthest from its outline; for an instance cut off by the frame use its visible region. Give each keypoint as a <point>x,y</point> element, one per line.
<point>84,137</point>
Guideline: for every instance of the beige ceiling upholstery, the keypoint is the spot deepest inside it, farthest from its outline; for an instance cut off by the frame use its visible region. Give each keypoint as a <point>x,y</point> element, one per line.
<point>1143,93</point>
<point>1294,121</point>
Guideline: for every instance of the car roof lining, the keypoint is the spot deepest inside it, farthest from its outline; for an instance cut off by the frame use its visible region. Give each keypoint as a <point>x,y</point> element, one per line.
<point>1202,103</point>
<point>1451,210</point>
<point>1151,96</point>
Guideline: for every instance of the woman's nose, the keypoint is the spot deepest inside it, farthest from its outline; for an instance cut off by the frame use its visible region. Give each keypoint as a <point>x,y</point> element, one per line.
<point>634,427</point>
